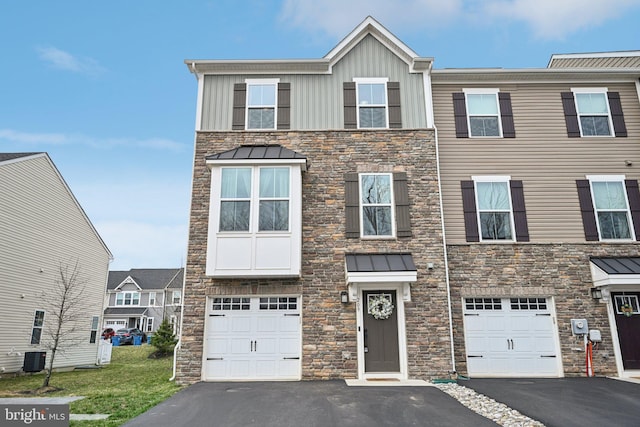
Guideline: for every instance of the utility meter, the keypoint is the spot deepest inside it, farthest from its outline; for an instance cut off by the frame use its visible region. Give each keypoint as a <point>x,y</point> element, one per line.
<point>595,336</point>
<point>579,327</point>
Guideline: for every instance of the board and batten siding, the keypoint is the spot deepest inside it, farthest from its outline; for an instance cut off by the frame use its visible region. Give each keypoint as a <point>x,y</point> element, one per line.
<point>541,155</point>
<point>41,228</point>
<point>316,100</point>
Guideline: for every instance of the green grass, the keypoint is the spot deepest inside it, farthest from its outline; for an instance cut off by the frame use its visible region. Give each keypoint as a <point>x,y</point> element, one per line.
<point>127,387</point>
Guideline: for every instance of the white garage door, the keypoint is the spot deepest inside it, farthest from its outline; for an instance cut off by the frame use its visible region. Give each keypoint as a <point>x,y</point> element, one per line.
<point>511,337</point>
<point>115,324</point>
<point>253,338</point>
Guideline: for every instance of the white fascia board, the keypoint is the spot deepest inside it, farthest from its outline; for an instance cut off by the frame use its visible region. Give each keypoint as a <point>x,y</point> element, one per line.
<point>253,162</point>
<point>129,279</point>
<point>378,277</point>
<point>601,278</point>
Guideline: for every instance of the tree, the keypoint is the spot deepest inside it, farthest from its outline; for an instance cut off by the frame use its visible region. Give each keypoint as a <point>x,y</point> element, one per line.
<point>66,311</point>
<point>164,339</point>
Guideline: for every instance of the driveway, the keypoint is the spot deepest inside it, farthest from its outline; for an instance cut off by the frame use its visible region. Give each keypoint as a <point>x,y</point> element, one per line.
<point>567,402</point>
<point>309,404</point>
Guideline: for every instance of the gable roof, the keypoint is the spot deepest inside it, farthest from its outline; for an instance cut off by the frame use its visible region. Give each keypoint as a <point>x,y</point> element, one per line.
<point>8,158</point>
<point>147,278</point>
<point>316,66</point>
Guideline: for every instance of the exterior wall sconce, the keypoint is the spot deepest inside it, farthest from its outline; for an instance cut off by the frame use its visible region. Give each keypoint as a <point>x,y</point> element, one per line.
<point>596,293</point>
<point>344,297</point>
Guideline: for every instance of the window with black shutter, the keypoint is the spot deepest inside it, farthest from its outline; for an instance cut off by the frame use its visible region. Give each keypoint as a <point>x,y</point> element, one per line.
<point>483,113</point>
<point>261,104</point>
<point>590,112</point>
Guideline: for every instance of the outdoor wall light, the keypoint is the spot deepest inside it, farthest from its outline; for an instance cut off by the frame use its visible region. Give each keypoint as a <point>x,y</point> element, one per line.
<point>344,297</point>
<point>596,293</point>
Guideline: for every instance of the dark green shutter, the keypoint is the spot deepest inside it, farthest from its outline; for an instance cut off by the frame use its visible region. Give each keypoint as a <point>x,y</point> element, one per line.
<point>401,194</point>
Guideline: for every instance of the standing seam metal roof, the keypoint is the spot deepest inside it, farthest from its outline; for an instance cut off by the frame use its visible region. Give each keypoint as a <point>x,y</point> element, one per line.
<point>379,263</point>
<point>257,152</point>
<point>618,265</point>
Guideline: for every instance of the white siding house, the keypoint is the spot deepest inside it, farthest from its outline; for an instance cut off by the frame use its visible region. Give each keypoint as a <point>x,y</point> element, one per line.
<point>43,228</point>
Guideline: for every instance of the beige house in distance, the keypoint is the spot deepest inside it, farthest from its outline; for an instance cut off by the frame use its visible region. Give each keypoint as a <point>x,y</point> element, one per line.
<point>43,228</point>
<point>368,217</point>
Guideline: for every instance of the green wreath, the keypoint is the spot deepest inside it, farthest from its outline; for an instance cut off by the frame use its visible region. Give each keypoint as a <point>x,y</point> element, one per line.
<point>627,310</point>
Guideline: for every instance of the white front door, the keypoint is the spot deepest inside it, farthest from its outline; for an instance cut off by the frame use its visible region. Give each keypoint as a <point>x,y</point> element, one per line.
<point>511,337</point>
<point>253,338</point>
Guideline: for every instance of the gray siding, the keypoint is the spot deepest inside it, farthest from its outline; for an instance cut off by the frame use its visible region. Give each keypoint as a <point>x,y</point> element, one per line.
<point>41,228</point>
<point>316,100</point>
<point>606,62</point>
<point>541,155</point>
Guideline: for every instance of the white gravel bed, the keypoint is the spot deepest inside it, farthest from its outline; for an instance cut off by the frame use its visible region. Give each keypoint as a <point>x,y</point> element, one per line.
<point>497,412</point>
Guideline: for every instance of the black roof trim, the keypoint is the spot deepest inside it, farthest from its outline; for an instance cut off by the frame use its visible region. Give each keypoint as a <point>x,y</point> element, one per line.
<point>379,263</point>
<point>136,311</point>
<point>618,265</point>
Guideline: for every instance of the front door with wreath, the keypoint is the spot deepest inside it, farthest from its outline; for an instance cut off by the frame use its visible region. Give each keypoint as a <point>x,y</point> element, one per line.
<point>627,315</point>
<point>381,351</point>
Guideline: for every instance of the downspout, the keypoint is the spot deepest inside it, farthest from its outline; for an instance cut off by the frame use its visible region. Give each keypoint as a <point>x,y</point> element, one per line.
<point>200,78</point>
<point>431,123</point>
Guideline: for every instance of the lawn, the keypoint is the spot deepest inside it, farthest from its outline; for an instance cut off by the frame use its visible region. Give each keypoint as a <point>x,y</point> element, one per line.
<point>127,387</point>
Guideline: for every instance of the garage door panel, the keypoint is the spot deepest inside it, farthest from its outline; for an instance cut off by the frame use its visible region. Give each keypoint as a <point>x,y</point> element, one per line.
<point>289,346</point>
<point>289,323</point>
<point>241,324</point>
<point>217,347</point>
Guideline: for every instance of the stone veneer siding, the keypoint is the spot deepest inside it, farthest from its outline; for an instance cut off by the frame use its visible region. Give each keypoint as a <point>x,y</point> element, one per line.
<point>560,271</point>
<point>328,326</point>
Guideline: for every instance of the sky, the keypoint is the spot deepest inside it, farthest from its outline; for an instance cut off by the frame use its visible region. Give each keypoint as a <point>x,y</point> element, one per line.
<point>103,88</point>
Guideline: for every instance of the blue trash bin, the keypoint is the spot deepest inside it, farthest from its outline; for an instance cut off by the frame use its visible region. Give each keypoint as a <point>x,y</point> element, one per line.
<point>115,341</point>
<point>149,339</point>
<point>137,340</point>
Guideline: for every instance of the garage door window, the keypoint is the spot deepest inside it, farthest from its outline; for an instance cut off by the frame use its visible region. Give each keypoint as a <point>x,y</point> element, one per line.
<point>238,303</point>
<point>278,303</point>
<point>483,303</point>
<point>528,303</point>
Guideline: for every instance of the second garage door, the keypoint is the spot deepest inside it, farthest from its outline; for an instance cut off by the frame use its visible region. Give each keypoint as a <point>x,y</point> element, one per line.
<point>253,338</point>
<point>511,337</point>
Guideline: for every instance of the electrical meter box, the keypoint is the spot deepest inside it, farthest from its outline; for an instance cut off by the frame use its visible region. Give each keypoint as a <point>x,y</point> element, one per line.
<point>595,336</point>
<point>579,327</point>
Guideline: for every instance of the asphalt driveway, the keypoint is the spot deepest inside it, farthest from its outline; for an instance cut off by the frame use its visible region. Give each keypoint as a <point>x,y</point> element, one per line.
<point>567,402</point>
<point>309,404</point>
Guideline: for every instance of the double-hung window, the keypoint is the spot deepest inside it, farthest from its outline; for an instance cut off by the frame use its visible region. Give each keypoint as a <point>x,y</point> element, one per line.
<point>176,297</point>
<point>271,199</point>
<point>372,103</point>
<point>592,108</point>
<point>611,207</point>
<point>128,298</point>
<point>261,104</point>
<point>483,112</point>
<point>94,329</point>
<point>376,207</point>
<point>38,324</point>
<point>495,215</point>
<point>152,299</point>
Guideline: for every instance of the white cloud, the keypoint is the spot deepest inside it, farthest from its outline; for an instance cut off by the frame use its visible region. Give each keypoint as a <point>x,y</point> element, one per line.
<point>548,19</point>
<point>555,19</point>
<point>15,136</point>
<point>142,245</point>
<point>65,61</point>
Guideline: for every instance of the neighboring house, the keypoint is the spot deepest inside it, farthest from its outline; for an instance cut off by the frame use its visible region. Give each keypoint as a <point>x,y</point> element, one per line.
<point>142,297</point>
<point>43,229</point>
<point>317,245</point>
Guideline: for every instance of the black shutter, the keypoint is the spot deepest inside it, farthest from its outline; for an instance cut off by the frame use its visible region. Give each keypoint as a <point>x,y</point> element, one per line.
<point>617,117</point>
<point>393,99</point>
<point>470,214</point>
<point>570,115</point>
<point>284,104</point>
<point>352,211</point>
<point>239,103</point>
<point>586,209</point>
<point>633,194</point>
<point>401,194</point>
<point>519,211</point>
<point>460,115</point>
<point>506,114</point>
<point>350,114</point>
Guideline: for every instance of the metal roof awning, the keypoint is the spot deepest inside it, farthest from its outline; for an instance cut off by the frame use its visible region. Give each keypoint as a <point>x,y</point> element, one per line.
<point>125,311</point>
<point>607,271</point>
<point>380,267</point>
<point>270,153</point>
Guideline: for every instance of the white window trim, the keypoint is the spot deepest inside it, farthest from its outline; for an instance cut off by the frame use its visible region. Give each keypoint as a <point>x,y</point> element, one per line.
<point>149,325</point>
<point>483,91</point>
<point>155,299</point>
<point>173,322</point>
<point>392,205</point>
<point>173,293</point>
<point>255,82</point>
<point>611,178</point>
<point>602,90</point>
<point>33,320</point>
<point>494,178</point>
<point>97,326</point>
<point>254,200</point>
<point>372,80</point>
<point>124,297</point>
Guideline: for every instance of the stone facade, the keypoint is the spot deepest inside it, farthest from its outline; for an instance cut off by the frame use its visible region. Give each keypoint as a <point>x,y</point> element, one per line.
<point>560,271</point>
<point>328,326</point>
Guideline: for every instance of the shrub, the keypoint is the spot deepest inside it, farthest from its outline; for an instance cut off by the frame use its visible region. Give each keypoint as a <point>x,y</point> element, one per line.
<point>164,339</point>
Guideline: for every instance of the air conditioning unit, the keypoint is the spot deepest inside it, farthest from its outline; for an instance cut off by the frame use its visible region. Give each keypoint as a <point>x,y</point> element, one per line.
<point>34,361</point>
